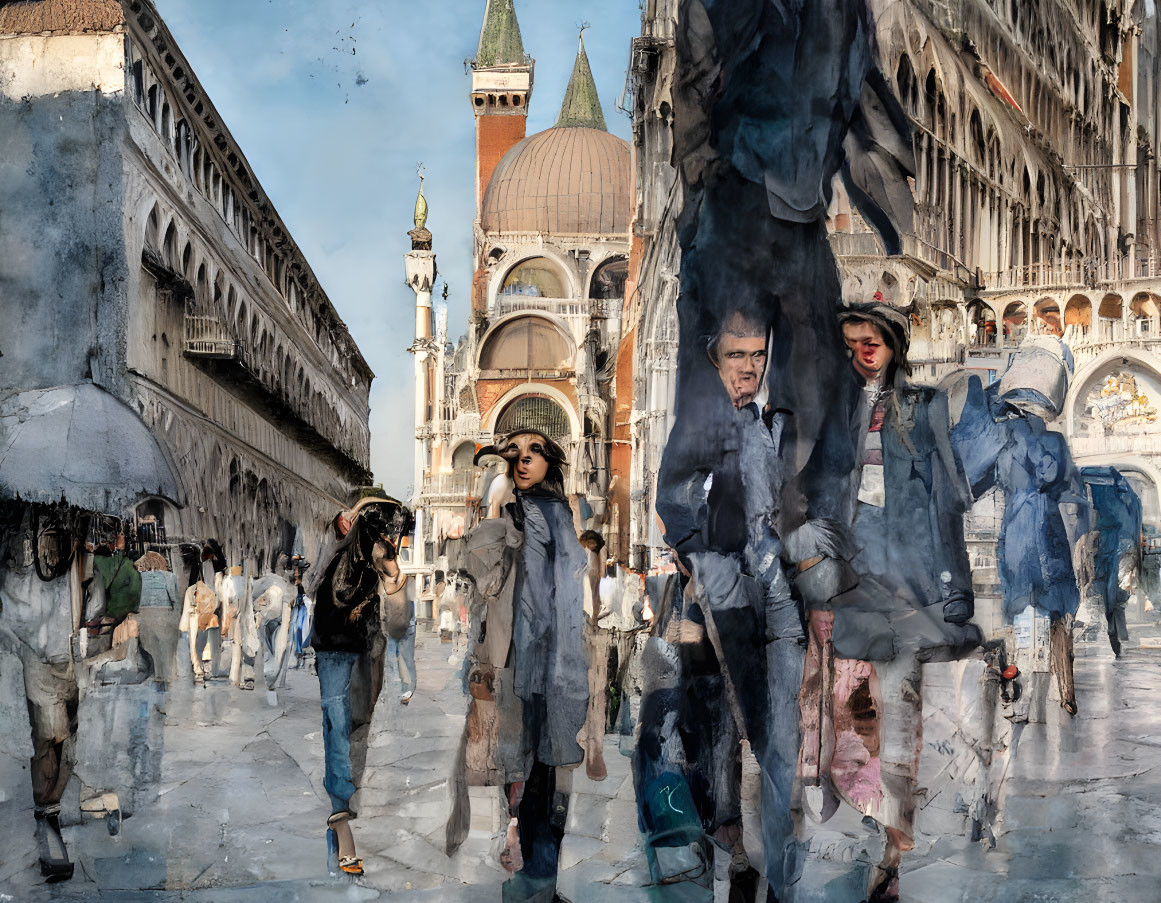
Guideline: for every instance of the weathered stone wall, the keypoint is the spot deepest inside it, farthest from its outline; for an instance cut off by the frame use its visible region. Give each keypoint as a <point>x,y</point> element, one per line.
<point>62,283</point>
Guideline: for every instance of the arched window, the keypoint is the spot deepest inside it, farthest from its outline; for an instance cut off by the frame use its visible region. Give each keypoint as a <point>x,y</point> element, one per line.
<point>1144,304</point>
<point>169,247</point>
<point>982,321</point>
<point>151,102</point>
<point>463,456</point>
<point>535,278</point>
<point>1144,310</point>
<point>534,412</point>
<point>526,343</point>
<point>1078,313</point>
<point>905,79</point>
<point>139,82</point>
<point>153,230</point>
<point>609,280</point>
<point>1110,308</point>
<point>1048,317</point>
<point>182,145</point>
<point>978,150</point>
<point>931,92</point>
<point>1015,323</point>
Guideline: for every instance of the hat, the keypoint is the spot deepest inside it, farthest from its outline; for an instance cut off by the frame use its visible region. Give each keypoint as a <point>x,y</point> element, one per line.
<point>891,321</point>
<point>1037,378</point>
<point>553,453</point>
<point>151,561</point>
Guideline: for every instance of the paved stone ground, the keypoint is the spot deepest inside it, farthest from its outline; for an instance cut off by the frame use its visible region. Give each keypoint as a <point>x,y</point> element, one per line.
<point>241,812</point>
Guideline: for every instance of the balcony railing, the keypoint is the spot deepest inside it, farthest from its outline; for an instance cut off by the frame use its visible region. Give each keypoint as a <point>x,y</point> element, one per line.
<point>514,304</point>
<point>1045,275</point>
<point>449,486</point>
<point>207,337</point>
<point>1115,444</point>
<point>867,244</point>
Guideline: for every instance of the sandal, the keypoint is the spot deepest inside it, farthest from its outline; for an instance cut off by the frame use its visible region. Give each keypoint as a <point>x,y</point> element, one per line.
<point>340,824</point>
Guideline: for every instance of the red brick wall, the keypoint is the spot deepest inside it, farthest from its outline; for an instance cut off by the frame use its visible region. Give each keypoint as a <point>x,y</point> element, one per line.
<point>621,455</point>
<point>494,136</point>
<point>489,391</point>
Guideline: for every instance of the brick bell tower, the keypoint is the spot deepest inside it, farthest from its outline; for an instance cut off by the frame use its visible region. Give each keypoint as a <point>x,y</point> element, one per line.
<point>501,90</point>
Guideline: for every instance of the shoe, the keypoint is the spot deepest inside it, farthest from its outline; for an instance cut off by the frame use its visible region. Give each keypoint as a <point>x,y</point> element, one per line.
<point>55,864</point>
<point>406,697</point>
<point>340,826</point>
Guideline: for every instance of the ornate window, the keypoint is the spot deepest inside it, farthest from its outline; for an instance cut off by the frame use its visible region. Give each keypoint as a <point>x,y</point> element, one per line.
<point>534,412</point>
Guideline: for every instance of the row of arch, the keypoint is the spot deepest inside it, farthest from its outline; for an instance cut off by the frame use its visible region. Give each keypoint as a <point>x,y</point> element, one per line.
<point>198,165</point>
<point>268,352</point>
<point>990,324</point>
<point>1029,203</point>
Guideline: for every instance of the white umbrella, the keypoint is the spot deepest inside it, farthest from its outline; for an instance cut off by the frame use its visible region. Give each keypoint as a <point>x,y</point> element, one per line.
<point>80,444</point>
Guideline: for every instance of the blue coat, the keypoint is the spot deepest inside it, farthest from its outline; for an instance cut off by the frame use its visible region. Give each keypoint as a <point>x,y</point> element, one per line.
<point>1013,450</point>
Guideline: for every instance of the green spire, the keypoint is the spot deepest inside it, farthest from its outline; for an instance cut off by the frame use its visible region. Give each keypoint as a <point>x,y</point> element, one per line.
<point>500,42</point>
<point>582,106</point>
<point>421,207</point>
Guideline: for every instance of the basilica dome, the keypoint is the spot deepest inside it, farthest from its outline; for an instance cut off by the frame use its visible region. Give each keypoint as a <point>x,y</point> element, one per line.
<point>562,181</point>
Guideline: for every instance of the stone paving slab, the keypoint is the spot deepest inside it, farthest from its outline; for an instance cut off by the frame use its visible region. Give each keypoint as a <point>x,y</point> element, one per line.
<point>241,811</point>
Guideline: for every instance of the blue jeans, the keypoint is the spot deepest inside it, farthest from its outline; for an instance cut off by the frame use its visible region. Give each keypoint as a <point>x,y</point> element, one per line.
<point>405,647</point>
<point>334,681</point>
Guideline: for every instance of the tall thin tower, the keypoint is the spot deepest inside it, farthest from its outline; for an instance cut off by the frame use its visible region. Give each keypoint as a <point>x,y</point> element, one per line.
<point>419,265</point>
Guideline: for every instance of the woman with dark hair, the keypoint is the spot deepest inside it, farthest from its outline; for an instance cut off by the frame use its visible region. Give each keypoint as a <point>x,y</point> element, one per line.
<point>527,669</point>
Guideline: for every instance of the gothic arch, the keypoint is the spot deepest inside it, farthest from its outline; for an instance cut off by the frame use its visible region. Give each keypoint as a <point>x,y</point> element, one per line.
<point>1145,305</point>
<point>1015,322</point>
<point>1078,312</point>
<point>608,278</point>
<point>169,247</point>
<point>152,237</point>
<point>981,323</point>
<point>1112,307</point>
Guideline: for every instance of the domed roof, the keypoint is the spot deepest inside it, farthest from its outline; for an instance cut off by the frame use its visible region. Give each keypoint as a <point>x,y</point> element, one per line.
<point>562,181</point>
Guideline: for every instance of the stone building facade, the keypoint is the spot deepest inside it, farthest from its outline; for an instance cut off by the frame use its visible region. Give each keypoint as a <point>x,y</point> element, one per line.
<point>170,370</point>
<point>552,239</point>
<point>1035,128</point>
<point>147,260</point>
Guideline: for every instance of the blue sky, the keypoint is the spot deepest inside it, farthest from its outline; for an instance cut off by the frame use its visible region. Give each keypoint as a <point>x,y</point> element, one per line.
<point>335,102</point>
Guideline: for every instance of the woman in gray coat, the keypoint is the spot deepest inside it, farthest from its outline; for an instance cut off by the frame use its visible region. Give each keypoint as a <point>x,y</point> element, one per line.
<point>527,672</point>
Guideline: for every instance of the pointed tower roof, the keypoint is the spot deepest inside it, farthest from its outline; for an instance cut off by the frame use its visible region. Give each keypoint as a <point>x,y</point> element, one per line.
<point>581,107</point>
<point>421,207</point>
<point>500,42</point>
